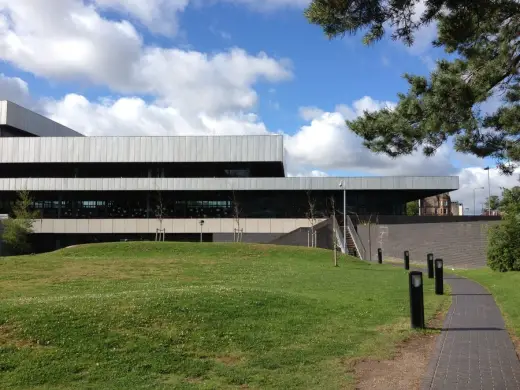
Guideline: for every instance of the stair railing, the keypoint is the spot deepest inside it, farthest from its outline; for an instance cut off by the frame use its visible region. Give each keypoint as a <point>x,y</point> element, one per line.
<point>338,236</point>
<point>358,243</point>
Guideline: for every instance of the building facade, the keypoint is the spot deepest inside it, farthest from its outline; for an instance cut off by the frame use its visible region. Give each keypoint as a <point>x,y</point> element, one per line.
<point>439,204</point>
<point>91,189</point>
<point>457,208</point>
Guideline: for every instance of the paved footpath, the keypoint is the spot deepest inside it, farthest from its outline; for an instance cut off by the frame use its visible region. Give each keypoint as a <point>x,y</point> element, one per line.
<point>474,350</point>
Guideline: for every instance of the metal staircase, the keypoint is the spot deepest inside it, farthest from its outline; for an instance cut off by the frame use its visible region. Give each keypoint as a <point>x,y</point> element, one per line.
<point>355,246</point>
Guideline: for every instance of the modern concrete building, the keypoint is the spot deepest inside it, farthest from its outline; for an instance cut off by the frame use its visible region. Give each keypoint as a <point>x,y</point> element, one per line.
<point>214,188</point>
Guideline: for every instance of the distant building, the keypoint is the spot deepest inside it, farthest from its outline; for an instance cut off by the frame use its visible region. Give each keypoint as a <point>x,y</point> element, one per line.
<point>437,205</point>
<point>493,212</point>
<point>457,208</point>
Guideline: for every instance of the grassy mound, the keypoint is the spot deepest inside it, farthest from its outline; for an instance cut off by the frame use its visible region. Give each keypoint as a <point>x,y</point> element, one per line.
<point>201,316</point>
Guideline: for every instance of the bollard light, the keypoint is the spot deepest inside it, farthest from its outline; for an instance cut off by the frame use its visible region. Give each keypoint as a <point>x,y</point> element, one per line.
<point>201,222</point>
<point>406,260</point>
<point>415,283</point>
<point>439,277</point>
<point>429,261</point>
<point>380,255</point>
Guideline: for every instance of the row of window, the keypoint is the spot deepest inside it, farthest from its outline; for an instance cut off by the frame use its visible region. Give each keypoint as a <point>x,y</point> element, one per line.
<point>148,205</point>
<point>110,170</point>
<point>91,204</point>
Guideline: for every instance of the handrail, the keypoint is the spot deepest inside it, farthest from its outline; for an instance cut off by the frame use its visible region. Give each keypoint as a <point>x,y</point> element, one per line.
<point>360,248</point>
<point>339,238</point>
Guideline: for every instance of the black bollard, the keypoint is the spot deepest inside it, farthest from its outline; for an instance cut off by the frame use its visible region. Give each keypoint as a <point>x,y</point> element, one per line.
<point>439,277</point>
<point>380,255</point>
<point>415,281</point>
<point>406,260</point>
<point>430,265</point>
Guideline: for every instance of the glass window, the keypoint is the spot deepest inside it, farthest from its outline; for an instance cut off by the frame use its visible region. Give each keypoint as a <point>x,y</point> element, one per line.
<point>238,172</point>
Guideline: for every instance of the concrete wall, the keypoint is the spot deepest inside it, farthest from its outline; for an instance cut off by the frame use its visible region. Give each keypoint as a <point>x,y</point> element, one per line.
<point>257,238</point>
<point>300,237</point>
<point>459,244</point>
<point>131,226</point>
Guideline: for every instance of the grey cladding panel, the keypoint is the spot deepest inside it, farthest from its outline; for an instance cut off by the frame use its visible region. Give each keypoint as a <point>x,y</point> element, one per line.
<point>141,149</point>
<point>444,183</point>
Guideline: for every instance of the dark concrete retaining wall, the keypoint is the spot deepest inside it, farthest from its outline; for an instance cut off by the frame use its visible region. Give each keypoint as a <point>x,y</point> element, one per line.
<point>459,243</point>
<point>298,237</point>
<point>260,238</point>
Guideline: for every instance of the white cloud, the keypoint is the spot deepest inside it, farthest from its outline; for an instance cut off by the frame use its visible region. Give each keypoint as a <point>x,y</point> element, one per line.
<point>220,33</point>
<point>358,108</point>
<point>14,89</point>
<point>326,143</point>
<point>309,113</point>
<point>133,116</point>
<point>270,5</point>
<point>159,16</point>
<point>425,35</point>
<point>322,143</point>
<point>477,178</point>
<point>67,39</point>
<point>366,103</point>
<point>312,173</point>
<point>197,81</point>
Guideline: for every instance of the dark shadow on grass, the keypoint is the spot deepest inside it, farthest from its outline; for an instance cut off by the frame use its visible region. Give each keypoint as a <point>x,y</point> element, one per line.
<point>373,269</point>
<point>454,295</point>
<point>466,329</point>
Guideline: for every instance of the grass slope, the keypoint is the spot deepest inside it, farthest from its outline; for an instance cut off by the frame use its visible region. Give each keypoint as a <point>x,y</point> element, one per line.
<point>195,316</point>
<point>505,290</point>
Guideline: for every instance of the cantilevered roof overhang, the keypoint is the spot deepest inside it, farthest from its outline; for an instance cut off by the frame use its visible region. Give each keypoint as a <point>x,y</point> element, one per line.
<point>32,124</point>
<point>395,183</point>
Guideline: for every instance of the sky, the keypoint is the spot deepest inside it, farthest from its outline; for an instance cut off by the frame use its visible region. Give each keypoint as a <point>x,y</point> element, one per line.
<point>221,67</point>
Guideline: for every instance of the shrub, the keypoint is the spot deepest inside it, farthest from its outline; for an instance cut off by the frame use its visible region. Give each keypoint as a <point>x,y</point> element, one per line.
<point>17,229</point>
<point>504,239</point>
<point>504,246</point>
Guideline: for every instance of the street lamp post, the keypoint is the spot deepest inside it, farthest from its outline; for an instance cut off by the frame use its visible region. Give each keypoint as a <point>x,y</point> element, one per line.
<point>342,185</point>
<point>489,191</point>
<point>474,202</point>
<point>201,224</point>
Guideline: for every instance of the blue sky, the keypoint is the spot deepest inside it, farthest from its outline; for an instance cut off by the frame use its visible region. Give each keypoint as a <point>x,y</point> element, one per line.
<point>112,67</point>
<point>326,72</point>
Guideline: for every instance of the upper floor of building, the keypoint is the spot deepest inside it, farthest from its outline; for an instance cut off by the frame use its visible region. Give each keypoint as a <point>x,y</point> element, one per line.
<point>36,147</point>
<point>17,121</point>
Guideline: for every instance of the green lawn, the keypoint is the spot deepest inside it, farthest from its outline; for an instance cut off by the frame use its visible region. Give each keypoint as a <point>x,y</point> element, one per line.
<point>196,316</point>
<point>505,289</point>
